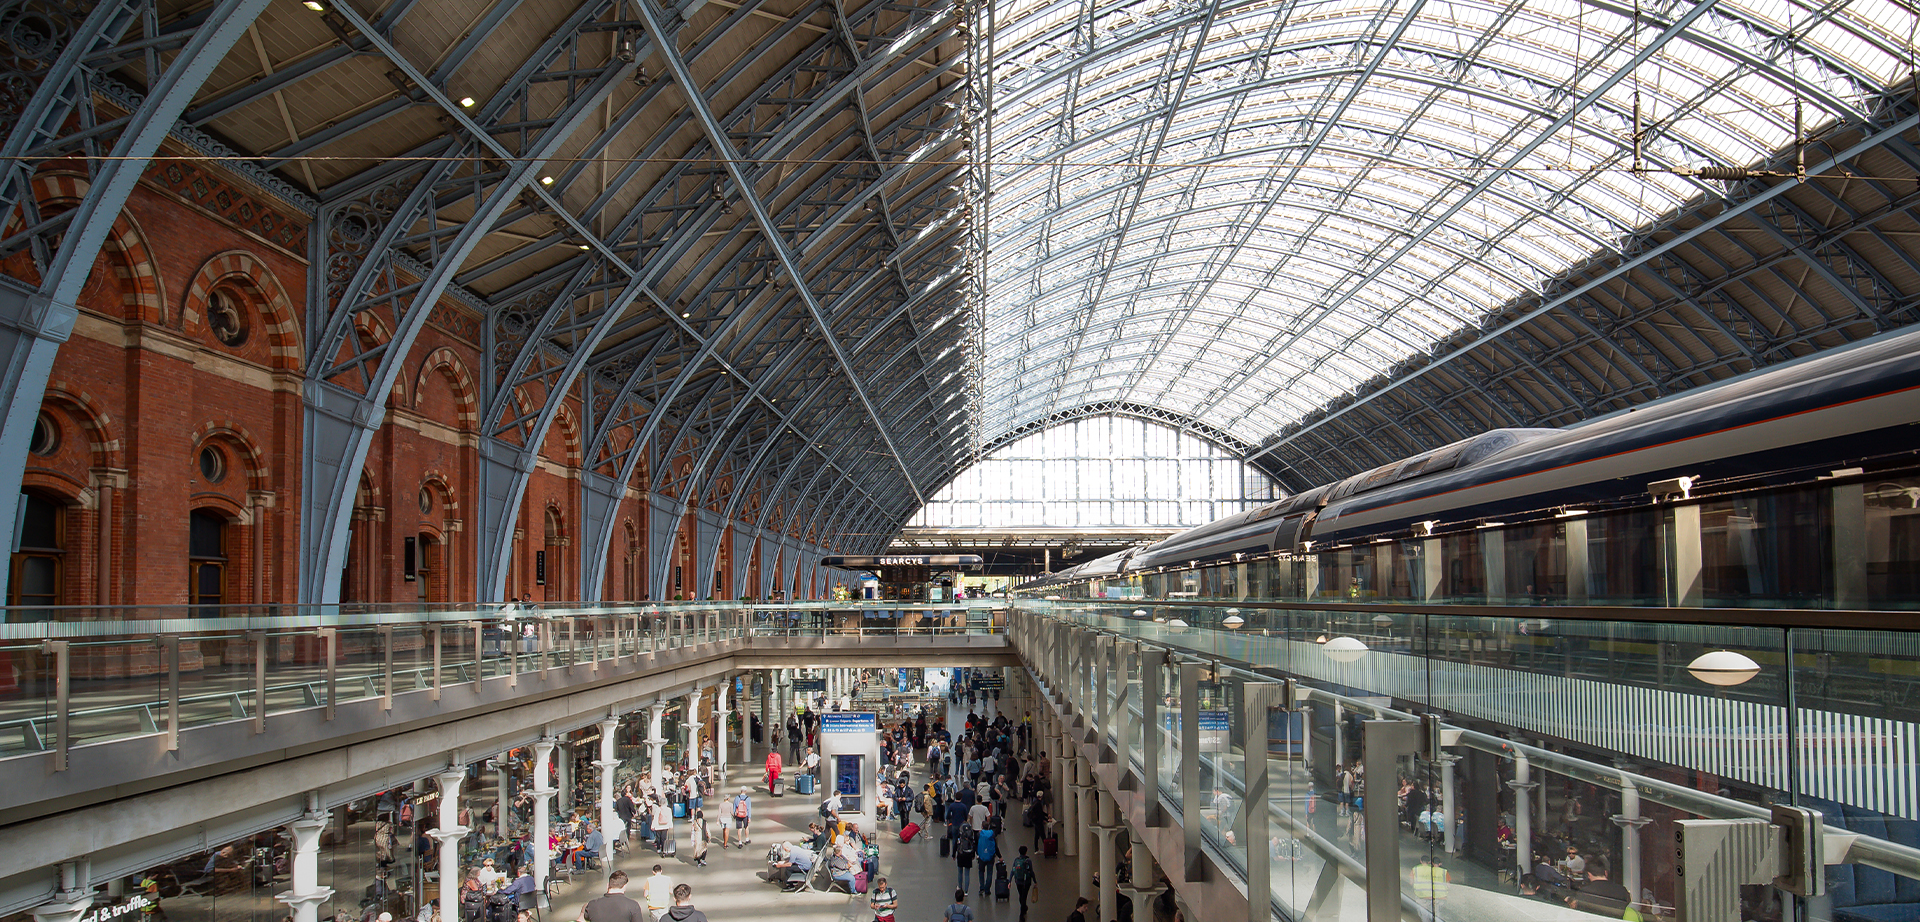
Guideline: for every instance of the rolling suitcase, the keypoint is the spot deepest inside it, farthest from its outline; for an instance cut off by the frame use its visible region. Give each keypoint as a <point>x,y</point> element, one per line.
<point>946,846</point>
<point>909,831</point>
<point>804,785</point>
<point>1050,846</point>
<point>778,788</point>
<point>1000,889</point>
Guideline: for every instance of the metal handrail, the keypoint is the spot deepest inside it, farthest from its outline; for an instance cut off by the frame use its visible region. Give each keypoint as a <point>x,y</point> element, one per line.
<point>1822,618</point>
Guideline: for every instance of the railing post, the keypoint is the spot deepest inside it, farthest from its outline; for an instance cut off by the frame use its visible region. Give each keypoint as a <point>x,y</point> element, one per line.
<point>328,638</point>
<point>1385,742</point>
<point>1123,726</point>
<point>1256,699</point>
<point>259,681</point>
<point>386,650</point>
<point>1153,663</point>
<point>170,654</point>
<point>62,688</point>
<point>476,629</point>
<point>438,679</point>
<point>1192,799</point>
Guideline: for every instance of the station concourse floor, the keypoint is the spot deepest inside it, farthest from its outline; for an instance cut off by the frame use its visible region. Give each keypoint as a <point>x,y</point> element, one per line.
<point>732,885</point>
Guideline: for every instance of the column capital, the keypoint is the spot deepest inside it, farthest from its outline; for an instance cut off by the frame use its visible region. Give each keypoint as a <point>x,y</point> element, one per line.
<point>296,901</point>
<point>66,906</point>
<point>609,763</point>
<point>609,725</point>
<point>449,833</point>
<point>1523,785</point>
<point>1634,822</point>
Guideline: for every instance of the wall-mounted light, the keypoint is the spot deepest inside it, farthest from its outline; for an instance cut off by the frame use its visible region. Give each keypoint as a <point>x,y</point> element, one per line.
<point>1677,488</point>
<point>1569,513</point>
<point>1344,649</point>
<point>1233,621</point>
<point>1425,529</point>
<point>1723,668</point>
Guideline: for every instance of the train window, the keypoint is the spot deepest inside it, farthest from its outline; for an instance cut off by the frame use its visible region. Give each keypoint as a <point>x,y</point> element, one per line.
<point>1892,548</point>
<point>1765,548</point>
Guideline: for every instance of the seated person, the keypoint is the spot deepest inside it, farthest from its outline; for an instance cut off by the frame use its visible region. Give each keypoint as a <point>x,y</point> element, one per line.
<point>816,837</point>
<point>592,844</point>
<point>522,889</point>
<point>491,877</point>
<point>797,866</point>
<point>840,867</point>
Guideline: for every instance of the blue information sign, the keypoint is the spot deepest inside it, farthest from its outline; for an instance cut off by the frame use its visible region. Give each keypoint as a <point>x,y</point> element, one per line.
<point>849,722</point>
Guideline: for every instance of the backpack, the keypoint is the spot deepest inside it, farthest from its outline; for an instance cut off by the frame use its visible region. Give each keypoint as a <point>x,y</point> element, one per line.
<point>740,808</point>
<point>957,912</point>
<point>969,838</point>
<point>1023,870</point>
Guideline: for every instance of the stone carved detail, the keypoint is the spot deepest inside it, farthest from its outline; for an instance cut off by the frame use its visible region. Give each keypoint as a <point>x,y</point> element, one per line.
<point>244,211</point>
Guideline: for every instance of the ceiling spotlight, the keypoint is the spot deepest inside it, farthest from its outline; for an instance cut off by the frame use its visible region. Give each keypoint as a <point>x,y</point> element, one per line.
<point>466,102</point>
<point>585,247</point>
<point>685,314</point>
<point>315,5</point>
<point>546,180</point>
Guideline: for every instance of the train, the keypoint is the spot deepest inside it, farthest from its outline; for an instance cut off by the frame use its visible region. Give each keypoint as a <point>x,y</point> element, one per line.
<point>1846,415</point>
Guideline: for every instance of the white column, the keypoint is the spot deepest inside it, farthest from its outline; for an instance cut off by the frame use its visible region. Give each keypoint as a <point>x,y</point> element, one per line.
<point>608,765</point>
<point>656,743</point>
<point>766,728</point>
<point>500,786</point>
<point>1629,822</point>
<point>1522,785</point>
<point>563,773</point>
<point>1109,830</point>
<point>304,893</point>
<point>449,835</point>
<point>1088,850</point>
<point>691,723</point>
<point>71,901</point>
<point>722,708</point>
<point>1447,825</point>
<point>543,789</point>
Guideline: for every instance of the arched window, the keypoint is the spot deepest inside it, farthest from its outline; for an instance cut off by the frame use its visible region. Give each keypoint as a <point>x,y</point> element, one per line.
<point>38,564</point>
<point>207,558</point>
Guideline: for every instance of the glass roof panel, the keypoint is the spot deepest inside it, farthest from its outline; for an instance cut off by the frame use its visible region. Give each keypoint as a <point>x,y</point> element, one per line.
<point>1245,233</point>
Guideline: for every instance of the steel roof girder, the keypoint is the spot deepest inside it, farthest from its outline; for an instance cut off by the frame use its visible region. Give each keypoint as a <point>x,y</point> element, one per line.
<point>717,137</point>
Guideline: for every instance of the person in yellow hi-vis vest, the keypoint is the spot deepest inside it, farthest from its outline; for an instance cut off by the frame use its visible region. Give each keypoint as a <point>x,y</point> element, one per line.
<point>1430,880</point>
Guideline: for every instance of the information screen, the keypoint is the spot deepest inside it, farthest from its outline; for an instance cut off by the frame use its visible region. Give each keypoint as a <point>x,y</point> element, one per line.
<point>847,777</point>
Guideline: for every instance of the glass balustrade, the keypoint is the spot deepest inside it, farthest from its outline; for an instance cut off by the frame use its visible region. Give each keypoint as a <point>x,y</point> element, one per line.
<point>1572,750</point>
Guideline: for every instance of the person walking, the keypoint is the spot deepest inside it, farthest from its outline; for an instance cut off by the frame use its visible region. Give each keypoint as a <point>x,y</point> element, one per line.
<point>882,899</point>
<point>741,810</point>
<point>1023,878</point>
<point>615,905</point>
<point>700,837</point>
<point>958,910</point>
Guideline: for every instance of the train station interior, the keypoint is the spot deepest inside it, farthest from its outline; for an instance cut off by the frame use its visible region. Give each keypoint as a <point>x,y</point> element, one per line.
<point>961,460</point>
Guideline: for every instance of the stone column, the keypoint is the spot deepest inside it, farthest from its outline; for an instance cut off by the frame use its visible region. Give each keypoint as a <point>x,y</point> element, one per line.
<point>608,764</point>
<point>766,724</point>
<point>1448,826</point>
<point>542,792</point>
<point>449,835</point>
<point>656,742</point>
<point>304,893</point>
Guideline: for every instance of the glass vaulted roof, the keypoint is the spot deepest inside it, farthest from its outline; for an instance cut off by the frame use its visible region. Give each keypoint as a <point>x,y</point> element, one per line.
<point>1237,211</point>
